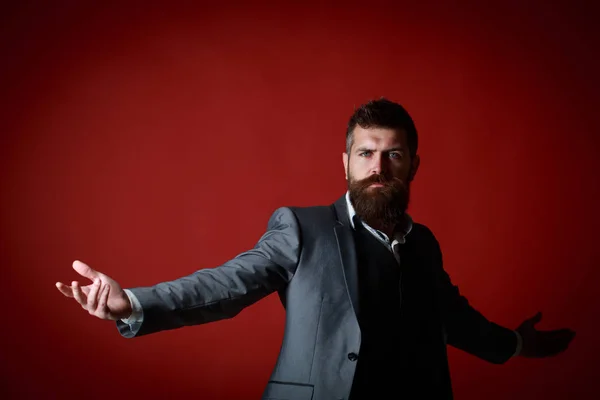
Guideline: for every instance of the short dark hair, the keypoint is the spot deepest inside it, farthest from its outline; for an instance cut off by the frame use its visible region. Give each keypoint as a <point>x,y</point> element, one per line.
<point>383,113</point>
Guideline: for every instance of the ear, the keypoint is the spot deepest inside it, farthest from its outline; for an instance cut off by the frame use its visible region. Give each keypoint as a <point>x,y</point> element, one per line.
<point>414,167</point>
<point>345,162</point>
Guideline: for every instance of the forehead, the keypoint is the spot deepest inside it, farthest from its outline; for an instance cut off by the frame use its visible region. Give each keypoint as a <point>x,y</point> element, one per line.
<point>379,137</point>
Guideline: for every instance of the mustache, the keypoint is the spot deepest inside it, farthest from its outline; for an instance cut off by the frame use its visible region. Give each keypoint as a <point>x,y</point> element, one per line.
<point>381,179</point>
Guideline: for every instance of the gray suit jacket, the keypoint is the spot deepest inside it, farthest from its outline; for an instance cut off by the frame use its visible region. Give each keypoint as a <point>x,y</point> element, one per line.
<point>307,256</point>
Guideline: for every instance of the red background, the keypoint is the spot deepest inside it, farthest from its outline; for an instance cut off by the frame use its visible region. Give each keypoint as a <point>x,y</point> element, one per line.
<point>150,141</point>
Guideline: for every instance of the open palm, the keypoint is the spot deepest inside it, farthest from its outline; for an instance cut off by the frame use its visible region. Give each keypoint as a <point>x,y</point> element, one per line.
<point>103,298</point>
<point>538,343</point>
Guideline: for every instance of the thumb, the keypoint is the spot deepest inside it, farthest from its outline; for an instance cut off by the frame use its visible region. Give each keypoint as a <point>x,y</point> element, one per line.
<point>536,318</point>
<point>84,270</point>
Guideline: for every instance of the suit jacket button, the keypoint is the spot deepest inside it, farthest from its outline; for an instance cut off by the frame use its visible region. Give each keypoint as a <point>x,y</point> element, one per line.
<point>352,356</point>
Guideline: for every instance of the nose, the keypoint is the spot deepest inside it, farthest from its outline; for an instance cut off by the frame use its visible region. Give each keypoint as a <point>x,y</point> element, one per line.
<point>378,166</point>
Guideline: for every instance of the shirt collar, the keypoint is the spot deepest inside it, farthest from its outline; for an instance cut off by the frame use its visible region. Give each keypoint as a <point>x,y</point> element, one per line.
<point>399,235</point>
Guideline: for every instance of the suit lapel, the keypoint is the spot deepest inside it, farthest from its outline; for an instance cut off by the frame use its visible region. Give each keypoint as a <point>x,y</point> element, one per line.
<point>347,250</point>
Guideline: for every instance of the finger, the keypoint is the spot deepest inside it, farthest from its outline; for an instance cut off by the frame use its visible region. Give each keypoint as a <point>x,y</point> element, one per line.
<point>84,270</point>
<point>555,342</point>
<point>64,289</point>
<point>554,348</point>
<point>536,318</point>
<point>562,339</point>
<point>92,296</point>
<point>556,339</point>
<point>557,334</point>
<point>103,311</point>
<point>79,296</point>
<point>86,289</point>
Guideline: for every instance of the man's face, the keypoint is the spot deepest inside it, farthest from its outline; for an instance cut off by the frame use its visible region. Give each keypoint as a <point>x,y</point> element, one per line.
<point>379,170</point>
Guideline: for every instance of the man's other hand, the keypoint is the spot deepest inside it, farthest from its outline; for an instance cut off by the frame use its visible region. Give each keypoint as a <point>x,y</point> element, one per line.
<point>542,343</point>
<point>103,298</point>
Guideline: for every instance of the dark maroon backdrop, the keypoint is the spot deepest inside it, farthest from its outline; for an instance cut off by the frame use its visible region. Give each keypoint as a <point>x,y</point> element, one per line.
<point>149,141</point>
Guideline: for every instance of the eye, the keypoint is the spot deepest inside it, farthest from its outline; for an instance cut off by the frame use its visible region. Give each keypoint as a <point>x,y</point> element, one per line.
<point>365,153</point>
<point>395,155</point>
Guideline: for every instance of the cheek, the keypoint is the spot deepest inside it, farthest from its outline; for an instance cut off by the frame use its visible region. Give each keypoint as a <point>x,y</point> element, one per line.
<point>357,172</point>
<point>402,172</point>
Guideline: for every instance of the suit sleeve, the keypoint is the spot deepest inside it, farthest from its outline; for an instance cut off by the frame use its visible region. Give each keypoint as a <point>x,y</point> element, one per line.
<point>466,328</point>
<point>213,294</point>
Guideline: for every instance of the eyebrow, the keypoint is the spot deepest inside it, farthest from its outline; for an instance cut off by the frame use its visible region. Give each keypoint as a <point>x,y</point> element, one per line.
<point>396,148</point>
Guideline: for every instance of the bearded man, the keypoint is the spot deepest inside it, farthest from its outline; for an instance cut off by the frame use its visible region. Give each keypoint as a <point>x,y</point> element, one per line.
<point>369,307</point>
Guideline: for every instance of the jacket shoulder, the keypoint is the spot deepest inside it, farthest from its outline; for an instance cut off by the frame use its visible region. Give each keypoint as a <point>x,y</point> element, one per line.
<point>313,213</point>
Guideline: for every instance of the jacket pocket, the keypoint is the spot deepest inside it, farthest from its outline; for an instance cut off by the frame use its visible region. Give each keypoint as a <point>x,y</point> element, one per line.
<point>287,391</point>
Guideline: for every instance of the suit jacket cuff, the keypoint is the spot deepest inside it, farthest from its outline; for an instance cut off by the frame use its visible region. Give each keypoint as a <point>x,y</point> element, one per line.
<point>137,314</point>
<point>519,344</point>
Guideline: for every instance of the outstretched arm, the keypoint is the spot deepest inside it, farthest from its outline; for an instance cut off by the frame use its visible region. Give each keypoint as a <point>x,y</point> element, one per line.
<point>209,294</point>
<point>466,328</point>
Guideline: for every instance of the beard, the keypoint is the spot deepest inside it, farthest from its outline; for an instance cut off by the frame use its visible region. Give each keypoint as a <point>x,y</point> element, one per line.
<point>379,206</point>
